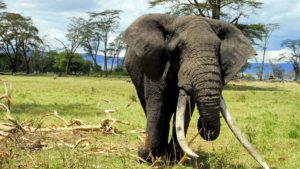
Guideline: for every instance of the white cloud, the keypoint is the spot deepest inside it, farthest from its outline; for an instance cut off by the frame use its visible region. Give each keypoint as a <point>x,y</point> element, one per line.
<point>271,55</point>
<point>285,13</point>
<point>51,17</point>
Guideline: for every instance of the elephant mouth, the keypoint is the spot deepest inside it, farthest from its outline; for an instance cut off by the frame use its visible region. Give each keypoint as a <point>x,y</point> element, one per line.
<point>180,114</point>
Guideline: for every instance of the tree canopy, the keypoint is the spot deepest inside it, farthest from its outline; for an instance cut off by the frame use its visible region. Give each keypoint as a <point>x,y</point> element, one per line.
<point>228,10</point>
<point>293,56</point>
<point>18,38</point>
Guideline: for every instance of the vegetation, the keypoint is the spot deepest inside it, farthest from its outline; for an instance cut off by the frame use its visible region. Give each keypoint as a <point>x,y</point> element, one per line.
<point>257,107</point>
<point>107,22</point>
<point>269,28</point>
<point>278,72</point>
<point>23,50</point>
<point>19,39</point>
<point>294,56</point>
<point>228,10</point>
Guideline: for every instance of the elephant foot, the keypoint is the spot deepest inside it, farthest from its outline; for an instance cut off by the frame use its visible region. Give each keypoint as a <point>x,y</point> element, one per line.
<point>144,154</point>
<point>174,154</point>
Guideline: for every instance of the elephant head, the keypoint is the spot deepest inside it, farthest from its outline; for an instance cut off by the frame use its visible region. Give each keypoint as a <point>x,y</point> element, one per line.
<point>207,54</point>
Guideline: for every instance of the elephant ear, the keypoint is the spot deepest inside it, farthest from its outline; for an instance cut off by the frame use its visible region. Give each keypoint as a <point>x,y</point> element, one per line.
<point>146,37</point>
<point>235,49</point>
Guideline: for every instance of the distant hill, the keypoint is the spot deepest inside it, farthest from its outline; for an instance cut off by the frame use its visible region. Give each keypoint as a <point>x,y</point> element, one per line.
<point>100,59</point>
<point>252,70</point>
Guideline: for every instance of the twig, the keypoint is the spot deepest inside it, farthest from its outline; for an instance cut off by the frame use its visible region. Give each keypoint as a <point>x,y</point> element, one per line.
<point>75,121</point>
<point>7,95</point>
<point>60,118</point>
<point>9,118</point>
<point>77,128</point>
<point>80,141</point>
<point>149,149</point>
<point>33,162</point>
<point>185,156</point>
<point>139,158</point>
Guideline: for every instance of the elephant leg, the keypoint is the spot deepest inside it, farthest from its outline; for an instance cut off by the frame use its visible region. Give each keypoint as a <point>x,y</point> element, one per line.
<point>174,150</point>
<point>155,119</point>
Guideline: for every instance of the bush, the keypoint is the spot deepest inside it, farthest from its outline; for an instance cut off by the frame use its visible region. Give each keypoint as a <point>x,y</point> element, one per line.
<point>249,77</point>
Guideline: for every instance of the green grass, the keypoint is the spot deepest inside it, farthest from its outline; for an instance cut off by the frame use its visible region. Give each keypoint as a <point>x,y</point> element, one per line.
<point>268,114</point>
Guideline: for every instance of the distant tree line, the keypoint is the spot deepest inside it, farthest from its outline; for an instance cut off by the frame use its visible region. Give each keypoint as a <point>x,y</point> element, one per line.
<point>23,50</point>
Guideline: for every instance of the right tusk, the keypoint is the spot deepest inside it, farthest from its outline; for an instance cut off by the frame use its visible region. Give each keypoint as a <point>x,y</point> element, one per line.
<point>180,114</point>
<point>239,135</point>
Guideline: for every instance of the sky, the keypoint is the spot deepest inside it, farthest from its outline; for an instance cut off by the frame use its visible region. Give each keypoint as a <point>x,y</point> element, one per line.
<point>51,17</point>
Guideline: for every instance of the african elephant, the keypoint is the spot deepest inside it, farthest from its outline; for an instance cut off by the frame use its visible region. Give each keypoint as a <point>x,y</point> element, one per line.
<point>170,59</point>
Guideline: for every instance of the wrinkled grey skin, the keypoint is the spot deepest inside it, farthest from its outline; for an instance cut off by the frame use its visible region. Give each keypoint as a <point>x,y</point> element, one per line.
<point>203,54</point>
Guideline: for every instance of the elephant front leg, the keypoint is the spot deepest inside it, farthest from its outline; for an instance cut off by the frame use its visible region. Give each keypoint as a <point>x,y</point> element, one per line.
<point>154,128</point>
<point>155,120</point>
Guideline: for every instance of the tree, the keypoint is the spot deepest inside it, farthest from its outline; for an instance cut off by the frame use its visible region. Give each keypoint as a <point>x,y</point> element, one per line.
<point>75,39</point>
<point>293,56</point>
<point>49,61</point>
<point>244,68</point>
<point>107,22</point>
<point>228,10</point>
<point>30,42</point>
<point>78,64</point>
<point>91,38</point>
<point>277,71</point>
<point>2,5</point>
<point>114,50</point>
<point>269,28</point>
<point>38,58</point>
<point>18,36</point>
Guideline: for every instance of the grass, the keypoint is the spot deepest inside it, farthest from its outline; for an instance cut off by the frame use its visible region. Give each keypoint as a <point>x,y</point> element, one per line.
<point>268,113</point>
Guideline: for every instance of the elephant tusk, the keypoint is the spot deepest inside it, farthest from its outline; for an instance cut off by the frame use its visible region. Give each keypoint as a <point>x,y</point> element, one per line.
<point>180,114</point>
<point>239,135</point>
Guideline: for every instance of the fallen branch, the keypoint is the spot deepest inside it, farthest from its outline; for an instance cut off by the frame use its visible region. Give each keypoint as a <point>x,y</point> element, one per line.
<point>7,95</point>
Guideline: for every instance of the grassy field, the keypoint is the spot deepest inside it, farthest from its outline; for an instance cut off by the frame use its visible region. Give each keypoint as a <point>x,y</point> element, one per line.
<point>268,113</point>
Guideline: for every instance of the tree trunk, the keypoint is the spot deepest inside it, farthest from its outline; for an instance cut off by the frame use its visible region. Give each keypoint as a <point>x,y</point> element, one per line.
<point>297,73</point>
<point>112,63</point>
<point>264,55</point>
<point>27,67</point>
<point>67,71</point>
<point>105,56</point>
<point>216,8</point>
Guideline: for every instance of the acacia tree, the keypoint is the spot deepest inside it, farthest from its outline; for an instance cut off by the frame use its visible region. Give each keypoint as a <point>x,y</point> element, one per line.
<point>277,71</point>
<point>17,36</point>
<point>269,28</point>
<point>75,39</point>
<point>293,56</point>
<point>115,48</point>
<point>228,10</point>
<point>107,22</point>
<point>2,5</point>
<point>91,38</point>
<point>30,42</point>
<point>38,57</point>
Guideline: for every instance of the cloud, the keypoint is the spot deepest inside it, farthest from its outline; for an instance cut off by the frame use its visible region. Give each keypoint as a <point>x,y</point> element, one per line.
<point>271,55</point>
<point>51,17</point>
<point>285,13</point>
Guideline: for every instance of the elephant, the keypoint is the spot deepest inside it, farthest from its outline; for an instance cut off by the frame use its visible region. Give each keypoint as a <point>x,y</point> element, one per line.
<point>175,63</point>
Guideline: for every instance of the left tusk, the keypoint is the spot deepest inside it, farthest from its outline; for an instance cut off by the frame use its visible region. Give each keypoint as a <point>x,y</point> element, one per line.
<point>181,106</point>
<point>239,135</point>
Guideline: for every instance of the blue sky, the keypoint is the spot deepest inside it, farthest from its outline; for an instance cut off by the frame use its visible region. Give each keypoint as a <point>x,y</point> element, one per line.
<point>51,16</point>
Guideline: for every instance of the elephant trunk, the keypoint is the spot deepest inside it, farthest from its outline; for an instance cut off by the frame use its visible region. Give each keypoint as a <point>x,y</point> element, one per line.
<point>207,86</point>
<point>209,121</point>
